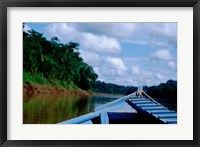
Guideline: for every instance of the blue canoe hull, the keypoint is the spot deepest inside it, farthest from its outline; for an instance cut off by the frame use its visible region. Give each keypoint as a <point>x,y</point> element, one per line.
<point>128,110</point>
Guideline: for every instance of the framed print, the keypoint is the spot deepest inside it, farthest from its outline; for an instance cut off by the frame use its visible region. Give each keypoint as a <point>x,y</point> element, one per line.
<point>106,73</point>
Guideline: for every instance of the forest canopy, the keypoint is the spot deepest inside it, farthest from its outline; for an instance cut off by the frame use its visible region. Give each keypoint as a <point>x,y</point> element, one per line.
<point>52,61</point>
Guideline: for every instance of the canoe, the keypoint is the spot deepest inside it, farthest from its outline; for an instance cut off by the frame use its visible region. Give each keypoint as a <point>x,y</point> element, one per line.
<point>135,108</point>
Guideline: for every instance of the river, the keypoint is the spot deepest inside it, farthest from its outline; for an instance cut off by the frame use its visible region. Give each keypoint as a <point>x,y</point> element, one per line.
<point>51,109</point>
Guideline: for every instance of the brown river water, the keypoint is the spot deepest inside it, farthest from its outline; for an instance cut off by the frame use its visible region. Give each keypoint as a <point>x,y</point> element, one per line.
<point>51,109</point>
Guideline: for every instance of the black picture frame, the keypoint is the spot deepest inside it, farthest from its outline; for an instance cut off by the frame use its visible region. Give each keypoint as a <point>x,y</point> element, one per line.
<point>4,4</point>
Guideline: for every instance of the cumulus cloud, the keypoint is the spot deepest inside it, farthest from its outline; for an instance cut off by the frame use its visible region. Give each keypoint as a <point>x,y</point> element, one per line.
<point>111,70</point>
<point>159,76</point>
<point>98,43</point>
<point>163,54</point>
<point>151,34</point>
<point>144,71</point>
<point>116,63</point>
<point>135,70</point>
<point>156,34</point>
<point>172,64</point>
<point>97,70</point>
<point>119,30</point>
<point>90,57</point>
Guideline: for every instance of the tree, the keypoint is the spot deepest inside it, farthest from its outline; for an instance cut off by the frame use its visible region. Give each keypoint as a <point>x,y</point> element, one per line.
<point>56,61</point>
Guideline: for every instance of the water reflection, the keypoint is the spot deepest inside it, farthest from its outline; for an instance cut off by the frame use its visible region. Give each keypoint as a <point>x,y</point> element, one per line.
<point>51,109</point>
<point>96,101</point>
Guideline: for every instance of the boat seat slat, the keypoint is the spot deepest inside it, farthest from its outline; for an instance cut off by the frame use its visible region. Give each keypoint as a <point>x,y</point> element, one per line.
<point>163,117</point>
<point>162,112</point>
<point>166,115</point>
<point>154,108</point>
<point>143,102</point>
<point>138,99</point>
<point>149,105</point>
<point>172,122</point>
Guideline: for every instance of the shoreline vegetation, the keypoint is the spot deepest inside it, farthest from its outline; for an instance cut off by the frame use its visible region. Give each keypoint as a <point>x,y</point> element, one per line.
<point>36,84</point>
<point>34,90</point>
<point>50,66</point>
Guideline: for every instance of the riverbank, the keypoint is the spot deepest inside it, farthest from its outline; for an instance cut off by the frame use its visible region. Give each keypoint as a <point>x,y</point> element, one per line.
<point>34,84</point>
<point>35,89</point>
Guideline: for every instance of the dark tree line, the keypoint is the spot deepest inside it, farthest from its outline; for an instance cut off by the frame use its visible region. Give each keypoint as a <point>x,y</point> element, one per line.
<point>102,87</point>
<point>166,90</point>
<point>56,61</point>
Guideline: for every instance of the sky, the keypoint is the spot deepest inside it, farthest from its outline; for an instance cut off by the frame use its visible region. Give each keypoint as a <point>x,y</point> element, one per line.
<point>130,54</point>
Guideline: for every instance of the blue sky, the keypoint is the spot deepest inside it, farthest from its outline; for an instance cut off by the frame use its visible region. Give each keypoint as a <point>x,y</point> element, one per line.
<point>121,53</point>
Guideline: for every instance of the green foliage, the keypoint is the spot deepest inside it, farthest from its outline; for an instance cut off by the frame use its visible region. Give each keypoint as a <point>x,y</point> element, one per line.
<point>166,90</point>
<point>35,79</point>
<point>87,77</point>
<point>102,87</point>
<point>53,62</point>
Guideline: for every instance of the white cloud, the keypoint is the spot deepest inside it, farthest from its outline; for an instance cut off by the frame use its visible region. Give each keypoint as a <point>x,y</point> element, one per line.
<point>159,76</point>
<point>100,43</point>
<point>65,32</point>
<point>90,57</point>
<point>97,70</point>
<point>116,63</point>
<point>97,43</point>
<point>163,54</point>
<point>135,76</point>
<point>151,34</point>
<point>120,30</point>
<point>172,64</point>
<point>158,34</point>
<point>135,70</point>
